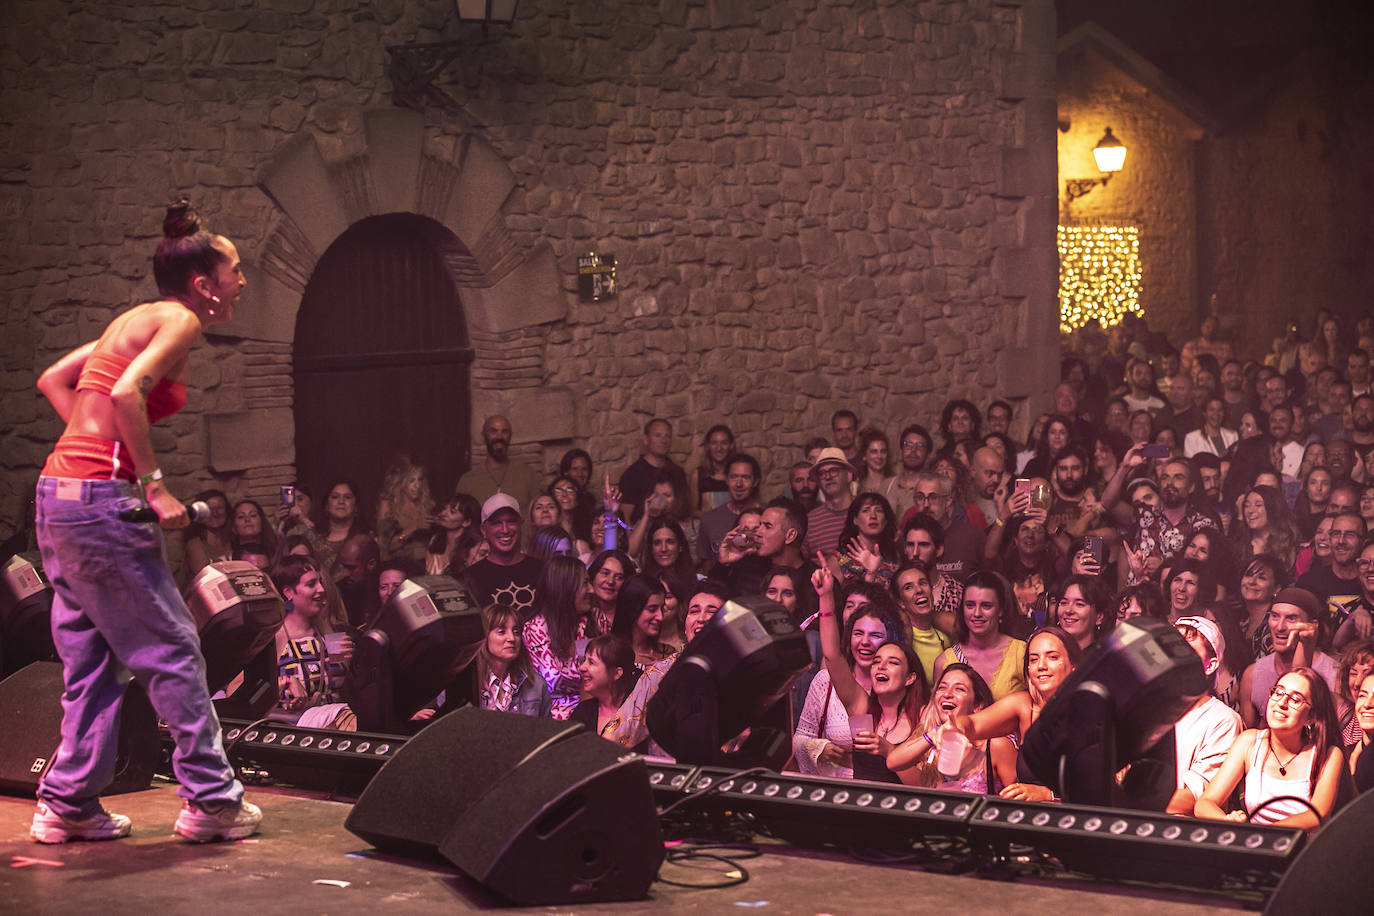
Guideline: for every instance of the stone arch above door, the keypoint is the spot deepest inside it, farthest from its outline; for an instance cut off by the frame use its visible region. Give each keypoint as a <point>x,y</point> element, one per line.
<point>397,165</point>
<point>399,170</point>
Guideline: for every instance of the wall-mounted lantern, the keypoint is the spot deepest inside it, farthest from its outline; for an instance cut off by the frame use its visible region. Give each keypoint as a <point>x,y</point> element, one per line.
<point>1110,154</point>
<point>413,67</point>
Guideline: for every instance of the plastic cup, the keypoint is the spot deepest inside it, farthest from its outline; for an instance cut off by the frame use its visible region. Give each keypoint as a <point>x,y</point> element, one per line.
<point>952,747</point>
<point>336,644</point>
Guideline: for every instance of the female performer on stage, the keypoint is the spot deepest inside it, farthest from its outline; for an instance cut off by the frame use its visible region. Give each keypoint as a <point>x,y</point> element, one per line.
<point>116,608</point>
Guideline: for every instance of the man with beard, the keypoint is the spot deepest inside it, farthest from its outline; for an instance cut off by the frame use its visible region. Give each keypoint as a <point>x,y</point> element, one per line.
<point>357,568</point>
<point>1161,532</point>
<point>1294,629</point>
<point>1074,512</point>
<point>915,445</point>
<point>1233,392</point>
<point>742,475</point>
<point>1362,422</point>
<point>1340,459</point>
<point>825,522</point>
<point>1338,586</point>
<point>1328,423</point>
<point>1357,370</point>
<point>963,547</point>
<point>497,473</point>
<point>802,485</point>
<point>1281,428</point>
<point>505,575</point>
<point>1207,472</point>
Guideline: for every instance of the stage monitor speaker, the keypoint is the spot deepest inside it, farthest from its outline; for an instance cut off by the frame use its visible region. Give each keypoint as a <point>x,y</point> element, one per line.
<point>237,612</point>
<point>25,614</point>
<point>31,726</point>
<point>1332,875</point>
<point>538,811</point>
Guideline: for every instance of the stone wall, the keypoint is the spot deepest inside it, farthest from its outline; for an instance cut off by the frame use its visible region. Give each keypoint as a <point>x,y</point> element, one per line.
<point>813,204</point>
<point>1284,224</point>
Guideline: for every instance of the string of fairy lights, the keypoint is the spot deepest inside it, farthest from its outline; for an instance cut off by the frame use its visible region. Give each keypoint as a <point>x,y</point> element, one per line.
<point>1099,275</point>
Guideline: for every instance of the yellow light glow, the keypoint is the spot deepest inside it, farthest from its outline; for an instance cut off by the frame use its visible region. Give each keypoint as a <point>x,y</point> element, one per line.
<point>1110,153</point>
<point>1099,275</point>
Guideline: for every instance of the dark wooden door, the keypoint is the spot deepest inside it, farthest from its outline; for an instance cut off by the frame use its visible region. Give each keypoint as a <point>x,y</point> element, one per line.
<point>381,359</point>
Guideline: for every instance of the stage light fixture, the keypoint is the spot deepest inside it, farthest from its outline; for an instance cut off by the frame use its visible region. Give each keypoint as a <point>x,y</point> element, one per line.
<point>736,674</point>
<point>25,614</point>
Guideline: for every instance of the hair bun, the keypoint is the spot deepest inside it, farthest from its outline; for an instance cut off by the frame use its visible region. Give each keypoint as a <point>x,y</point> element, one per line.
<point>181,219</point>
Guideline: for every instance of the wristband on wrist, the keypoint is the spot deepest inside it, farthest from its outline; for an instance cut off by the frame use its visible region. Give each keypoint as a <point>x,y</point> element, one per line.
<point>826,614</point>
<point>154,475</point>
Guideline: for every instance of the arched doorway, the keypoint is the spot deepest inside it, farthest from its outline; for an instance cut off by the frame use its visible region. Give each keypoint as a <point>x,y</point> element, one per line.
<point>382,357</point>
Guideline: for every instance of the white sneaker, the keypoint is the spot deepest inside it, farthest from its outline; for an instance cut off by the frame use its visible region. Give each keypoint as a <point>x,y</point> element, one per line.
<point>50,827</point>
<point>204,823</point>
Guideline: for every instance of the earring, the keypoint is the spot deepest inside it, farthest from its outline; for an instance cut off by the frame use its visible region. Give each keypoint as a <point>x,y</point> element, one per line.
<point>211,311</point>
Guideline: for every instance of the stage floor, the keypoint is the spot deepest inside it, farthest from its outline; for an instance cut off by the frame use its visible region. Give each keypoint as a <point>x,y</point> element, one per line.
<point>304,861</point>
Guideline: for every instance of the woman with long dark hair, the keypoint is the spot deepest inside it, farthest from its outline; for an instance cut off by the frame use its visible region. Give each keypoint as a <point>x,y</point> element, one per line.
<point>249,525</point>
<point>666,553</point>
<point>639,619</point>
<point>116,608</point>
<point>564,491</point>
<point>576,465</point>
<point>1264,524</point>
<point>707,475</point>
<point>868,541</point>
<point>1057,435</point>
<point>822,743</point>
<point>982,635</point>
<point>986,765</point>
<point>551,634</point>
<point>894,701</point>
<point>1296,754</point>
<point>1051,656</point>
<point>211,540</point>
<point>453,536</point>
<point>875,461</point>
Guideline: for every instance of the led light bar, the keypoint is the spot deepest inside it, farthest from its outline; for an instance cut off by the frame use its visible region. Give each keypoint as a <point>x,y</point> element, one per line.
<point>817,811</point>
<point>1139,845</point>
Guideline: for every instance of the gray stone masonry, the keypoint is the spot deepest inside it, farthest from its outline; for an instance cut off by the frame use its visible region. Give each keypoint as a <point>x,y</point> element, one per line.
<point>813,204</point>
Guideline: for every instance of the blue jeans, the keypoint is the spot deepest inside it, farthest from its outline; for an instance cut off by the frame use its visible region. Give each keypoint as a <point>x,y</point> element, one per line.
<point>116,610</point>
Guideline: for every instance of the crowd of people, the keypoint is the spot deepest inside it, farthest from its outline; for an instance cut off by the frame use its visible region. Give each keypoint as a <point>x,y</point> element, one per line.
<point>948,585</point>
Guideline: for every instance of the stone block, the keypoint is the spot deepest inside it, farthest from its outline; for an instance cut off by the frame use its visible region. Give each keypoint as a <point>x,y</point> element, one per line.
<point>298,182</point>
<point>531,294</point>
<point>395,137</point>
<point>484,182</point>
<point>243,439</point>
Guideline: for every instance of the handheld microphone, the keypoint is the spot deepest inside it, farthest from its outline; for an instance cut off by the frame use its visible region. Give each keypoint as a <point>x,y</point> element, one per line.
<point>199,510</point>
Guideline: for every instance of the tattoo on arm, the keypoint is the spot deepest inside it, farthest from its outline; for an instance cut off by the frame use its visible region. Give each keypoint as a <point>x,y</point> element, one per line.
<point>145,385</point>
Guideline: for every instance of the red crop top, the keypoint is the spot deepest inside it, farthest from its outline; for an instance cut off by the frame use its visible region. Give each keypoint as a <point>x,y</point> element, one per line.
<point>91,457</point>
<point>104,368</point>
